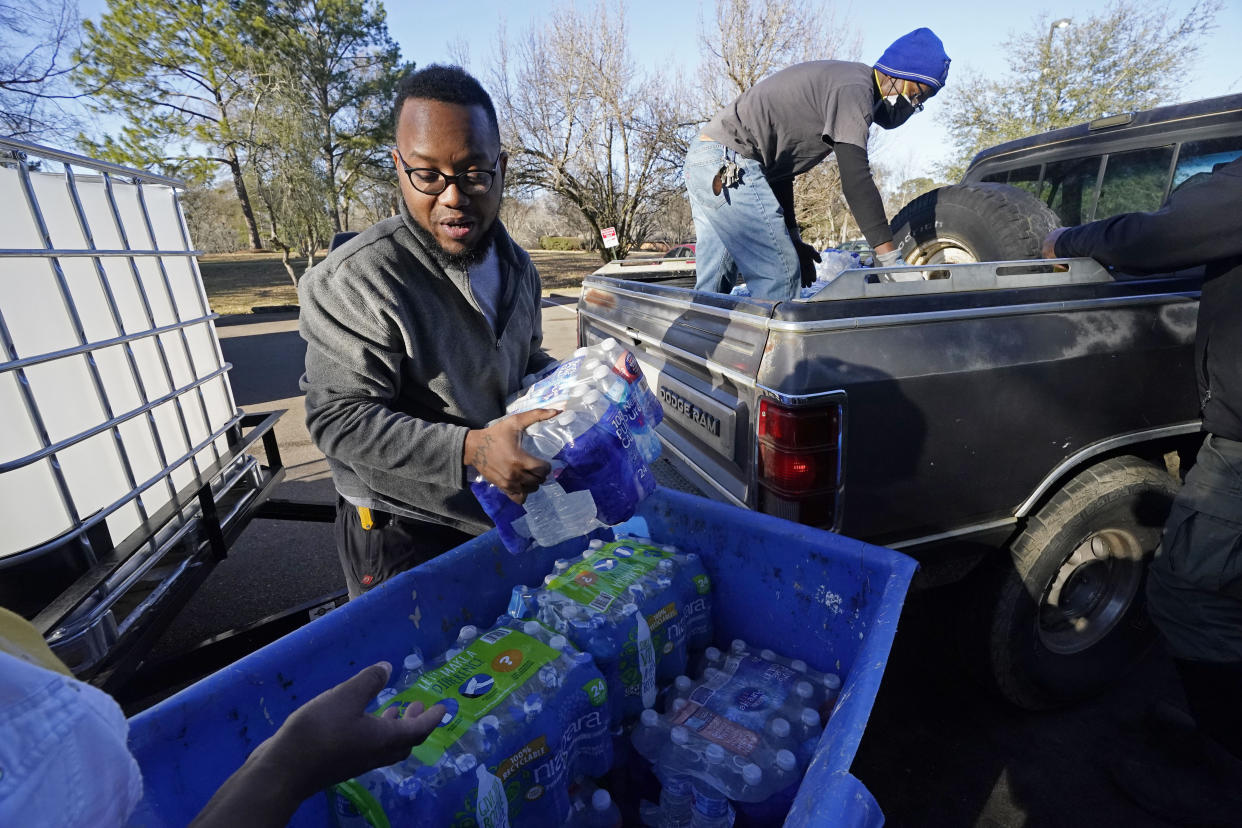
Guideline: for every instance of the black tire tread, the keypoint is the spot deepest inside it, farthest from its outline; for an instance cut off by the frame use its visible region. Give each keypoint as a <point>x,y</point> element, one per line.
<point>1025,219</point>
<point>1108,480</point>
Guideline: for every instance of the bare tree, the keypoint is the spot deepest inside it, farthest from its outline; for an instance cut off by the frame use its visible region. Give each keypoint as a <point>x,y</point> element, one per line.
<point>1133,55</point>
<point>528,220</point>
<point>214,218</point>
<point>751,39</point>
<point>675,222</point>
<point>36,60</point>
<point>823,216</point>
<point>580,121</point>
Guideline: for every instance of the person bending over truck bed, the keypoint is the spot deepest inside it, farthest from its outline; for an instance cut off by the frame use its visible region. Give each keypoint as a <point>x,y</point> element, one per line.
<point>1194,584</point>
<point>416,330</point>
<point>740,171</point>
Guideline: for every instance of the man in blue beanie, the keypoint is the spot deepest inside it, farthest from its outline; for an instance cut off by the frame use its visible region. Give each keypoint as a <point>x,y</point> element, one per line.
<point>740,170</point>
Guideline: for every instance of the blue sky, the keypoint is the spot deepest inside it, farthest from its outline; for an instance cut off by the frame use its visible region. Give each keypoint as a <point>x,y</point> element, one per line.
<point>665,32</point>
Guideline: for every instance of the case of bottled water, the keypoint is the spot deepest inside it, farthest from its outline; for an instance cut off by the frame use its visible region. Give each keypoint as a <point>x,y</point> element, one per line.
<point>526,713</point>
<point>634,606</point>
<point>599,448</point>
<point>744,731</point>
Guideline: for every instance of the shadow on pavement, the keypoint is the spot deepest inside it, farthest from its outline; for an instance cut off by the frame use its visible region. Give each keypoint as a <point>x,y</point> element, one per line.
<point>941,750</point>
<point>266,366</point>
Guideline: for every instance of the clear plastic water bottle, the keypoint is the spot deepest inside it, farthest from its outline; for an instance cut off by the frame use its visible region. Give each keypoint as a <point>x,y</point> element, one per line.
<point>710,810</point>
<point>781,733</point>
<point>676,803</point>
<point>809,731</point>
<point>467,634</point>
<point>710,657</point>
<point>832,690</point>
<point>680,688</point>
<point>773,809</point>
<point>601,812</point>
<point>625,365</point>
<point>604,460</point>
<point>554,515</point>
<point>411,668</point>
<point>621,394</point>
<point>647,735</point>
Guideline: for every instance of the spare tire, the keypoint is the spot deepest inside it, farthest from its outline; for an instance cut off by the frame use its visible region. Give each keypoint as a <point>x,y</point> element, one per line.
<point>981,222</point>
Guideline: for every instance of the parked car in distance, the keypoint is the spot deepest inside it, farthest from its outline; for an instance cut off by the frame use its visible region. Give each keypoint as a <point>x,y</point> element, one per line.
<point>859,246</point>
<point>681,251</point>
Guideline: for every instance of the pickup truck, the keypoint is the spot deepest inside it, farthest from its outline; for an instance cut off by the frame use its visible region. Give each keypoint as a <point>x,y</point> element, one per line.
<point>1018,423</point>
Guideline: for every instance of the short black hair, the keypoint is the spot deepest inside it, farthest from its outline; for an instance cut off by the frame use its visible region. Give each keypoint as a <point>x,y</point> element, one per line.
<point>449,84</point>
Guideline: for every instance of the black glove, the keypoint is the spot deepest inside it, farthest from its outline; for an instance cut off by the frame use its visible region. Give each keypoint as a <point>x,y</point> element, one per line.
<point>807,257</point>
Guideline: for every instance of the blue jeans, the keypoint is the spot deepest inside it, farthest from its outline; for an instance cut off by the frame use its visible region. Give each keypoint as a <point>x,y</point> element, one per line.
<point>741,232</point>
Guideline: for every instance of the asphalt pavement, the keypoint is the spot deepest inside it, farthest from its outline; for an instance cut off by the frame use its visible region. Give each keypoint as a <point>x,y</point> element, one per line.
<point>937,751</point>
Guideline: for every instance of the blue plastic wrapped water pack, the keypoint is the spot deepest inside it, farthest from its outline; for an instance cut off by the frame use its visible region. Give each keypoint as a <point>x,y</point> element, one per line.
<point>745,731</point>
<point>599,448</point>
<point>526,714</point>
<point>637,608</point>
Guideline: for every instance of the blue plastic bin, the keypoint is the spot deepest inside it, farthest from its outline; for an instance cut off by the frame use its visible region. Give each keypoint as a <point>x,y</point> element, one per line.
<point>805,593</point>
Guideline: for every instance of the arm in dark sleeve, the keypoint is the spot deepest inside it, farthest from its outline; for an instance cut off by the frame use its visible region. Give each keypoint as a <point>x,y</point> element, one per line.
<point>783,190</point>
<point>1198,224</point>
<point>861,194</point>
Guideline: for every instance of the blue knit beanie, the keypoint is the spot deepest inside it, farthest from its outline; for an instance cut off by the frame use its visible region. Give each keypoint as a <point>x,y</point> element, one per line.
<point>919,57</point>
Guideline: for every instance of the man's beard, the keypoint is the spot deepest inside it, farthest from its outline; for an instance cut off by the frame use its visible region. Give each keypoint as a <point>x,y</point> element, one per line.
<point>467,258</point>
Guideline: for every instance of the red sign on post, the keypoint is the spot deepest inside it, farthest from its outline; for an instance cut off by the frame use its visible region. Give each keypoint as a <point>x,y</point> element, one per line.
<point>609,235</point>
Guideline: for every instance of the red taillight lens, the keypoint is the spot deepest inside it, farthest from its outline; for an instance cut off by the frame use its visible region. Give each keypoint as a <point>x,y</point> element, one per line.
<point>799,461</point>
<point>800,427</point>
<point>797,472</point>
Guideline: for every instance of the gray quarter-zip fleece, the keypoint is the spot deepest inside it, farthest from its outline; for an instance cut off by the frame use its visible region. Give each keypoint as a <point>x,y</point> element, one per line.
<point>401,363</point>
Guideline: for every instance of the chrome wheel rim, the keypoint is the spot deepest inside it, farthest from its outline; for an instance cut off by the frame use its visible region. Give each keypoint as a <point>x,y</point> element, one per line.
<point>1091,592</point>
<point>940,250</point>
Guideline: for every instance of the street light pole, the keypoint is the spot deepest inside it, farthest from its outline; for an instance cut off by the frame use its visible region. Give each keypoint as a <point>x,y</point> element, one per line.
<point>1056,24</point>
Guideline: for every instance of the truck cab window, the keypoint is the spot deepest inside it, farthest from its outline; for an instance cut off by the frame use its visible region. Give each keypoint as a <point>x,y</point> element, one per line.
<point>1134,181</point>
<point>1069,189</point>
<point>1199,157</point>
<point>1024,178</point>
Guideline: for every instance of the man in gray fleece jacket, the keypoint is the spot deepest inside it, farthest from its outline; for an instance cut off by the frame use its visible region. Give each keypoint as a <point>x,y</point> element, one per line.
<point>416,330</point>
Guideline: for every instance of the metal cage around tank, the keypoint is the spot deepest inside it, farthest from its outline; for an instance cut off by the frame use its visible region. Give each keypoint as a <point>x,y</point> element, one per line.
<point>124,470</point>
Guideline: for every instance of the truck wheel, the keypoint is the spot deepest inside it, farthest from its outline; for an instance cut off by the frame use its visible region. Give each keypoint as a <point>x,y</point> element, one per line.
<point>1069,616</point>
<point>981,222</point>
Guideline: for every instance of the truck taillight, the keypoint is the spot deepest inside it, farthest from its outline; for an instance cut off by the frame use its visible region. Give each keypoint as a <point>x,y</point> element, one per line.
<point>800,461</point>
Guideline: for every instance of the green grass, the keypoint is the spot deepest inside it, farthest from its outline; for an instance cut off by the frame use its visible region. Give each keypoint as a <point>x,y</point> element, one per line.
<point>240,282</point>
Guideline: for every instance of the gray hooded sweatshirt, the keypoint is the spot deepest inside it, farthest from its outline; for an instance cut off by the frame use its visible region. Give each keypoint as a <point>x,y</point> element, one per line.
<point>401,362</point>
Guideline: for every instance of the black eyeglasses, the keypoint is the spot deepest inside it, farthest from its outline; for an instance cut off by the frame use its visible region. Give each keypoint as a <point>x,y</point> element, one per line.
<point>434,182</point>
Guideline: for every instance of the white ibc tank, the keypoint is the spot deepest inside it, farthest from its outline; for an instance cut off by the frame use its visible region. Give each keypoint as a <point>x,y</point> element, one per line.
<point>111,379</point>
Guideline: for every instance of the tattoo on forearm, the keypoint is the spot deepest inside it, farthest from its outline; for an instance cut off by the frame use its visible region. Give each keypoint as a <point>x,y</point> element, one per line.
<point>479,461</point>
